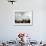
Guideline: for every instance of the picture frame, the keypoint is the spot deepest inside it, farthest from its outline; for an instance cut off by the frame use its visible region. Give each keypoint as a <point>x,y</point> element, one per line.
<point>23,18</point>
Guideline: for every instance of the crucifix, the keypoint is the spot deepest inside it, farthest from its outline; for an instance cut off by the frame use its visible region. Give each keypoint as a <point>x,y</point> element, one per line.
<point>12,1</point>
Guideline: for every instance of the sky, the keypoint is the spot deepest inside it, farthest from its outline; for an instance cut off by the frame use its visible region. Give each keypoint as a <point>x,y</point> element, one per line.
<point>26,15</point>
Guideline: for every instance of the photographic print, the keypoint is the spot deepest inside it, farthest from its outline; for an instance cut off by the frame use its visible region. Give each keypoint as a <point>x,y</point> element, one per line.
<point>23,18</point>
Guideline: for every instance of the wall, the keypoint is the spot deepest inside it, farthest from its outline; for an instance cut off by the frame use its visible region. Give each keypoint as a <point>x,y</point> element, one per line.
<point>8,30</point>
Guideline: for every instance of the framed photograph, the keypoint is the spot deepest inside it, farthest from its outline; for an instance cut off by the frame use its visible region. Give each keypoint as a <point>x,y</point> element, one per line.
<point>23,18</point>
